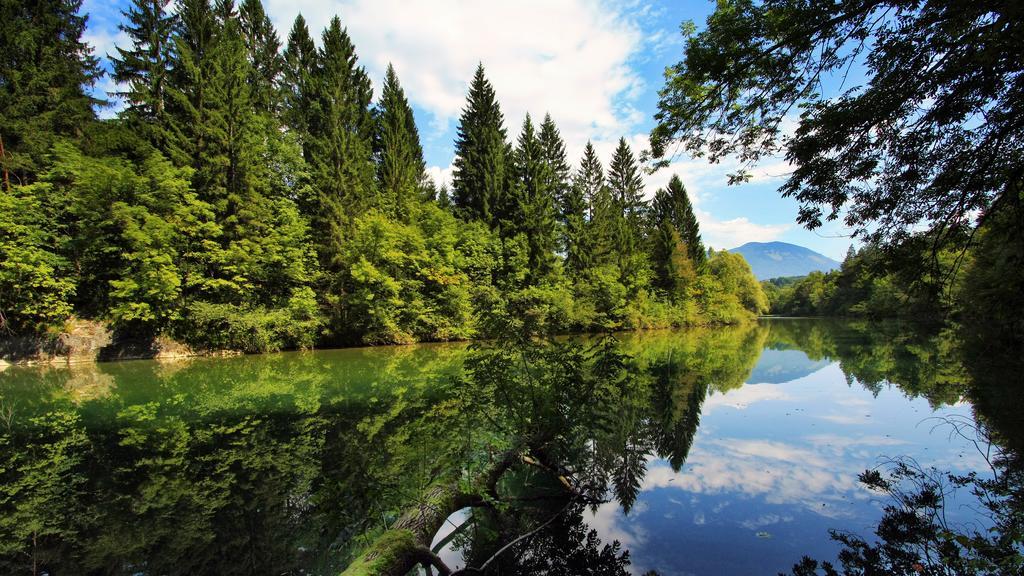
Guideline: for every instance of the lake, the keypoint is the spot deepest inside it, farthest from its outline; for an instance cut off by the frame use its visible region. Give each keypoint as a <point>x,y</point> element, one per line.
<point>730,450</point>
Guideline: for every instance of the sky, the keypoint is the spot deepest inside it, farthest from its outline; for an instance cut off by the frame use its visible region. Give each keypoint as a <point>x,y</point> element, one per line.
<point>595,66</point>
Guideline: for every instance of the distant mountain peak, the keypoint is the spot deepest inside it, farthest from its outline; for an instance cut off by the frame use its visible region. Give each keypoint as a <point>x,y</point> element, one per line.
<point>779,259</point>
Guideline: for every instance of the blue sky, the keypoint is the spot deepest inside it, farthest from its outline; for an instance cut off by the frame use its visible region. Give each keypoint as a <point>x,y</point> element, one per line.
<point>595,67</point>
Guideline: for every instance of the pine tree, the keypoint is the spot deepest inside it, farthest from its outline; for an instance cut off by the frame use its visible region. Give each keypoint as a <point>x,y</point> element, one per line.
<point>626,187</point>
<point>144,67</point>
<point>602,214</point>
<point>674,205</point>
<point>188,110</point>
<point>397,146</point>
<point>480,154</point>
<point>553,154</point>
<point>577,214</point>
<point>671,257</point>
<point>45,68</point>
<point>341,132</point>
<point>301,62</point>
<point>625,181</point>
<point>530,207</point>
<point>264,56</point>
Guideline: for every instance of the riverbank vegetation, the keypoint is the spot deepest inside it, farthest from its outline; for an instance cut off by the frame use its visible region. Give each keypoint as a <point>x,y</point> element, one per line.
<point>902,120</point>
<point>254,194</point>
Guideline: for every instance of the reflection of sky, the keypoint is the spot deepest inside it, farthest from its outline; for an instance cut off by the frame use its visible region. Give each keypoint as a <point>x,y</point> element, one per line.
<point>772,468</point>
<point>778,366</point>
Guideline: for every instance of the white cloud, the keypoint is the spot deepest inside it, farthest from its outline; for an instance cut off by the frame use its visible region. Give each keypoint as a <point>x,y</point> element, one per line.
<point>569,58</point>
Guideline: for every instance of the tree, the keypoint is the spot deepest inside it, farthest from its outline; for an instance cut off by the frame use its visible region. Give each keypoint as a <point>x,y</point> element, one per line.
<point>301,61</point>
<point>530,206</point>
<point>478,182</point>
<point>144,67</point>
<point>626,183</point>
<point>397,148</point>
<point>553,155</point>
<point>45,69</point>
<point>673,205</point>
<point>626,187</point>
<point>35,287</point>
<point>265,60</point>
<point>931,135</point>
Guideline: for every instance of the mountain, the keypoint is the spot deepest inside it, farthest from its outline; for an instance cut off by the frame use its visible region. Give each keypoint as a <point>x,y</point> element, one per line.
<point>777,259</point>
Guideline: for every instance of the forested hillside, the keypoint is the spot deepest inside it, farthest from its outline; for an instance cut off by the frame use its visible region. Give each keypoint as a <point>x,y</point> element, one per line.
<point>259,194</point>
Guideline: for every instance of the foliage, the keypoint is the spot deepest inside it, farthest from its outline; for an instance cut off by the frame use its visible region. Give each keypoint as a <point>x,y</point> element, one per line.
<point>35,289</point>
<point>259,199</point>
<point>755,62</point>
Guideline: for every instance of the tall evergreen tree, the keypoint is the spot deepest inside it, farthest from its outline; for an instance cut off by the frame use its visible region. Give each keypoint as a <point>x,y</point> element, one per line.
<point>397,146</point>
<point>301,61</point>
<point>191,69</point>
<point>45,68</point>
<point>626,186</point>
<point>479,179</point>
<point>341,131</point>
<point>265,59</point>
<point>602,214</point>
<point>530,209</point>
<point>673,205</point>
<point>553,154</point>
<point>625,181</point>
<point>144,67</point>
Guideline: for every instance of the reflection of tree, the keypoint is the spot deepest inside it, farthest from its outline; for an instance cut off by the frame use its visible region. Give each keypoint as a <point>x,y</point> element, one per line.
<point>914,536</point>
<point>920,362</point>
<point>297,462</point>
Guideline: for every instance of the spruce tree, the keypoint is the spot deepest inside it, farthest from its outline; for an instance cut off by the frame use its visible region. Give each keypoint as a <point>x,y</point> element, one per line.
<point>191,68</point>
<point>265,59</point>
<point>530,207</point>
<point>341,132</point>
<point>45,68</point>
<point>301,61</point>
<point>625,181</point>
<point>144,67</point>
<point>602,214</point>
<point>626,186</point>
<point>674,205</point>
<point>397,146</point>
<point>553,154</point>
<point>481,150</point>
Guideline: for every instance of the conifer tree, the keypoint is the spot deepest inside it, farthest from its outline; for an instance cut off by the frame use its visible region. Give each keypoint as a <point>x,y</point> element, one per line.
<point>602,214</point>
<point>553,154</point>
<point>188,110</point>
<point>301,61</point>
<point>625,181</point>
<point>45,68</point>
<point>481,151</point>
<point>144,67</point>
<point>530,209</point>
<point>626,186</point>
<point>341,132</point>
<point>265,59</point>
<point>673,205</point>
<point>397,146</point>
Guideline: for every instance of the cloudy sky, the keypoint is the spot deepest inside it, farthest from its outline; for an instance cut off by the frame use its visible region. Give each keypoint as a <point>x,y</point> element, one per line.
<point>595,66</point>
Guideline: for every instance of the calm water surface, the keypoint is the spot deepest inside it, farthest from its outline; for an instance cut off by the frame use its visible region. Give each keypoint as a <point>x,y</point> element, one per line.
<point>739,455</point>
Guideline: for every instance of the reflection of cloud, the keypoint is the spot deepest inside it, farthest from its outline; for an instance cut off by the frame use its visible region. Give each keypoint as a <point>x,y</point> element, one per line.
<point>610,523</point>
<point>774,471</point>
<point>741,398</point>
<point>837,442</point>
<point>844,419</point>
<point>765,520</point>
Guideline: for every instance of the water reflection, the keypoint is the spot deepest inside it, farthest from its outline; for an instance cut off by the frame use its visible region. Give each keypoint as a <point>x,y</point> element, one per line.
<point>718,451</point>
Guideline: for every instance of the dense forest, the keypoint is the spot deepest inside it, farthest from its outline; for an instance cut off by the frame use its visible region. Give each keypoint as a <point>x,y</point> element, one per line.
<point>254,195</point>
